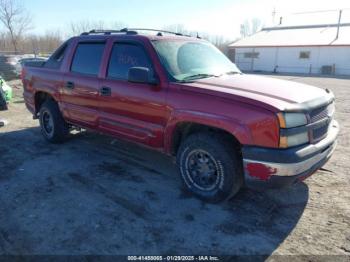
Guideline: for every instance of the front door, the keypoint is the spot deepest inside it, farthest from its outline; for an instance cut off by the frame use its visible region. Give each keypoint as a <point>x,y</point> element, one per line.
<point>135,111</point>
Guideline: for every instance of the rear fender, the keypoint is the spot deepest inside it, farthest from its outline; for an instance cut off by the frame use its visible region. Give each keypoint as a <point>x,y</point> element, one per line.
<point>47,91</point>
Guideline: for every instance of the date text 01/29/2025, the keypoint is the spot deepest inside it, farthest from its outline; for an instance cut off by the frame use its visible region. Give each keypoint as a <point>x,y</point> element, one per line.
<point>173,258</point>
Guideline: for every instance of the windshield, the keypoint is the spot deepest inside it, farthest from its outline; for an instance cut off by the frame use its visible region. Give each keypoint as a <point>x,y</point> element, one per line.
<point>190,60</point>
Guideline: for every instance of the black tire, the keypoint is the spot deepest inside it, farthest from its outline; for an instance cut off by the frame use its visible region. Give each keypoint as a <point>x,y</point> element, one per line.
<point>59,129</point>
<point>220,167</point>
<point>3,103</point>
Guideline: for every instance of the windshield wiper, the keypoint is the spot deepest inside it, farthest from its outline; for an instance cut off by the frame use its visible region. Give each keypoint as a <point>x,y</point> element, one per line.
<point>232,73</point>
<point>198,76</point>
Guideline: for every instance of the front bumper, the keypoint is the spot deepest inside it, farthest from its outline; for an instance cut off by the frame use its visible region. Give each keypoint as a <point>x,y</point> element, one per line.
<point>283,167</point>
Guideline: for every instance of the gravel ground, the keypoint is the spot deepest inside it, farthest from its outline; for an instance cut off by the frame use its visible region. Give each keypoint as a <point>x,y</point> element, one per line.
<point>96,195</point>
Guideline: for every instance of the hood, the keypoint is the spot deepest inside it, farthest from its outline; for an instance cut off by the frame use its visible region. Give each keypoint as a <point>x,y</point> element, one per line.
<point>280,94</point>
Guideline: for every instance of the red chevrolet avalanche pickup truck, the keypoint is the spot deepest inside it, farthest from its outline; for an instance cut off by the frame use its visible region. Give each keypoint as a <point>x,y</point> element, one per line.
<point>180,95</point>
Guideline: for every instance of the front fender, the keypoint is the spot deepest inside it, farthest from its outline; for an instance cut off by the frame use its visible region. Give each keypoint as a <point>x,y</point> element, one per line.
<point>232,126</point>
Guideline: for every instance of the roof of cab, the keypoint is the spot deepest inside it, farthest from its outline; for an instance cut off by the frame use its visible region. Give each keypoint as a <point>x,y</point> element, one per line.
<point>136,32</point>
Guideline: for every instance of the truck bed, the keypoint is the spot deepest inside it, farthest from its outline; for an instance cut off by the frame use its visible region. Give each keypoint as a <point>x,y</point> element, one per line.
<point>34,64</point>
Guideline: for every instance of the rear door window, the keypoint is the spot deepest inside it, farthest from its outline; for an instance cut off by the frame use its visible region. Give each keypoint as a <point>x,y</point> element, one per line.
<point>87,58</point>
<point>123,57</point>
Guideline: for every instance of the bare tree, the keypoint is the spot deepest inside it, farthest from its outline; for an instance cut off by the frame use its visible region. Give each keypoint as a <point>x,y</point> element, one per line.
<point>15,19</point>
<point>256,25</point>
<point>218,40</point>
<point>43,44</point>
<point>118,25</point>
<point>245,29</point>
<point>78,27</point>
<point>250,27</point>
<point>177,28</point>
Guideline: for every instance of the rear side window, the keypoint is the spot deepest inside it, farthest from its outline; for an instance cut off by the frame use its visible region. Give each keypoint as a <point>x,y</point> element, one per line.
<point>125,56</point>
<point>87,58</point>
<point>56,59</point>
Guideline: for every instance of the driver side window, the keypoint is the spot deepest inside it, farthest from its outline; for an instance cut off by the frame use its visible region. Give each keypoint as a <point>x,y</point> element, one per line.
<point>123,57</point>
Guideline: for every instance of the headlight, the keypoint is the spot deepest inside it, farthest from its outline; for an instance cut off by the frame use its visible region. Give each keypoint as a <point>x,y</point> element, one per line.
<point>289,120</point>
<point>295,122</point>
<point>294,140</point>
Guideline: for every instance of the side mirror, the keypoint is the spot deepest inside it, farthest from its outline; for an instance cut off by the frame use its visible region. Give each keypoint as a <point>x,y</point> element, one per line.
<point>141,75</point>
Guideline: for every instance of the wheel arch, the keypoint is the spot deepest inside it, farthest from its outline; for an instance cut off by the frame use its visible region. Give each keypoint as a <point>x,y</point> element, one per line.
<point>40,97</point>
<point>181,126</point>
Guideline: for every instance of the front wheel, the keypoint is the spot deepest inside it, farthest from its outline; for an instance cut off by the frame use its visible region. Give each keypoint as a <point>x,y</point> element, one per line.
<point>53,126</point>
<point>210,167</point>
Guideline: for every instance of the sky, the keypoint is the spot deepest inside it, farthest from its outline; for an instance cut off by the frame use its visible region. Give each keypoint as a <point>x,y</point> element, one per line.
<point>219,17</point>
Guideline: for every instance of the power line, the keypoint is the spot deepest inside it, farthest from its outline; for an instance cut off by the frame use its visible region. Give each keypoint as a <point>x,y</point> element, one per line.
<point>320,11</point>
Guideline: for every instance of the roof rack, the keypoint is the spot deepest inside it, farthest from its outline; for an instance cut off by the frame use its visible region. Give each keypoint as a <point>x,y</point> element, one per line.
<point>160,31</point>
<point>131,31</point>
<point>152,30</point>
<point>108,32</point>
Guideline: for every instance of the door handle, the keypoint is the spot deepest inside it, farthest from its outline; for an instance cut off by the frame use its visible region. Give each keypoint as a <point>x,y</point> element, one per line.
<point>105,91</point>
<point>70,85</point>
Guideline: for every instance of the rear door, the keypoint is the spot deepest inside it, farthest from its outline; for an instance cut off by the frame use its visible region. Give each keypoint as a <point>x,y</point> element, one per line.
<point>135,111</point>
<point>80,92</point>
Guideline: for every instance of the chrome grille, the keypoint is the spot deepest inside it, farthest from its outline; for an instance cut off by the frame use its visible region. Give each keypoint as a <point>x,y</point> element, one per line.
<point>322,113</point>
<point>320,132</point>
<point>318,114</point>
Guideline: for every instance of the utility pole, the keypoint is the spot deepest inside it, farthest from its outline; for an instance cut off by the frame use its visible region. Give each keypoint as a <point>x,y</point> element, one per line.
<point>273,16</point>
<point>339,21</point>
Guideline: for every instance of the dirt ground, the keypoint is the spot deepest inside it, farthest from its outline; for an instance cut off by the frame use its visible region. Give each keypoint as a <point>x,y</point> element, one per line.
<point>96,195</point>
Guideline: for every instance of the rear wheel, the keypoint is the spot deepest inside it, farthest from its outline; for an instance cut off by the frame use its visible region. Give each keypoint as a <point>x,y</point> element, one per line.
<point>210,167</point>
<point>53,126</point>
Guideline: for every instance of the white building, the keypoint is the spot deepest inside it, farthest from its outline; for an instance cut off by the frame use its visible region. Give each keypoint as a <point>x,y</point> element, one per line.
<point>313,49</point>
